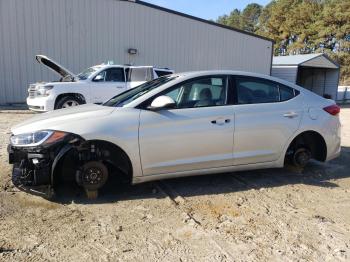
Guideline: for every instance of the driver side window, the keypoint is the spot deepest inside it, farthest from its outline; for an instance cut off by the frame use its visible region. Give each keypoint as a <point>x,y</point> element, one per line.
<point>202,92</point>
<point>110,75</point>
<point>100,77</point>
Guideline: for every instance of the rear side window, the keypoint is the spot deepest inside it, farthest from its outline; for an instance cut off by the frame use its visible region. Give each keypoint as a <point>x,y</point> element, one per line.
<point>286,93</point>
<point>255,91</point>
<point>251,90</point>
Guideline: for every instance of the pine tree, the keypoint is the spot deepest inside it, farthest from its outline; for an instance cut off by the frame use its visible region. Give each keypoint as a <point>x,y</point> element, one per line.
<point>301,27</point>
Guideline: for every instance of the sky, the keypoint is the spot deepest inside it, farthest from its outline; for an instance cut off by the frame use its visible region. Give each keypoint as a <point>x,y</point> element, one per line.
<point>206,9</point>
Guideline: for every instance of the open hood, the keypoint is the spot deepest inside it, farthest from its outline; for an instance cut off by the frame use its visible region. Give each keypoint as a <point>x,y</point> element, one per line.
<point>64,73</point>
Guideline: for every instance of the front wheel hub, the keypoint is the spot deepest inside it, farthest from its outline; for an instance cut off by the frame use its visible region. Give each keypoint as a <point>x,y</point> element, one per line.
<point>94,175</point>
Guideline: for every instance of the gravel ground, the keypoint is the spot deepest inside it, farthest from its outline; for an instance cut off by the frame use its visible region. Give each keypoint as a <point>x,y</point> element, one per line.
<point>277,215</point>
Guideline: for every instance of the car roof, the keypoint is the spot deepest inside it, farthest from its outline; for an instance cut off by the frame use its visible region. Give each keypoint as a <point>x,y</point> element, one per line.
<point>191,74</point>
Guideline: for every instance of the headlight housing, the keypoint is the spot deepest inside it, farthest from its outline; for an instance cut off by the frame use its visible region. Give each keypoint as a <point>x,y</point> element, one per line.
<point>43,91</point>
<point>36,138</point>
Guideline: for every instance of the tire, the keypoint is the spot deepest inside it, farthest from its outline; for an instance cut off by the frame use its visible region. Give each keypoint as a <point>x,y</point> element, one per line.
<point>67,102</point>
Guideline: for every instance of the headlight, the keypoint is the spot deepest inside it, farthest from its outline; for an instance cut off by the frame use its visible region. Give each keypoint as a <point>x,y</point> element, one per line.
<point>37,138</point>
<point>43,90</point>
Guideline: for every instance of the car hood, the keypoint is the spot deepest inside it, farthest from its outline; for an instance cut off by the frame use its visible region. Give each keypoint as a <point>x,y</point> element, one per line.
<point>57,119</point>
<point>63,72</point>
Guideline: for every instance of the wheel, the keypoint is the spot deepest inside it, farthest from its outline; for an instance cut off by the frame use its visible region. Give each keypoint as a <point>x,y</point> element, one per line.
<point>68,101</point>
<point>301,157</point>
<point>94,175</point>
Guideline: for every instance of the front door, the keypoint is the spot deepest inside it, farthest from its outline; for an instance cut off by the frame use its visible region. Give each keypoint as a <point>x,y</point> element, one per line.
<point>267,115</point>
<point>197,134</point>
<point>107,84</point>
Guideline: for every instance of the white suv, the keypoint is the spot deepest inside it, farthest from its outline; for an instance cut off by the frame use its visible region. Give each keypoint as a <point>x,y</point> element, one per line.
<point>95,85</point>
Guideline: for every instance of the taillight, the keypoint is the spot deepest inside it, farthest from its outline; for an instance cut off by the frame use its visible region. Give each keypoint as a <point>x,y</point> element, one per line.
<point>333,110</point>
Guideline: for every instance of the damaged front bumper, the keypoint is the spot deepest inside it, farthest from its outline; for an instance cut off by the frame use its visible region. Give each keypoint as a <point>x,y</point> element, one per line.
<point>34,167</point>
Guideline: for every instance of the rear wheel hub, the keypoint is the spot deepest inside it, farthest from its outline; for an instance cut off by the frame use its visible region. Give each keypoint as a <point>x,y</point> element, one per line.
<point>301,157</point>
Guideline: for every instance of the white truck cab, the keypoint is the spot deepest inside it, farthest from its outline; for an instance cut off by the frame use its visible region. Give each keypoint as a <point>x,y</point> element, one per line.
<point>96,84</point>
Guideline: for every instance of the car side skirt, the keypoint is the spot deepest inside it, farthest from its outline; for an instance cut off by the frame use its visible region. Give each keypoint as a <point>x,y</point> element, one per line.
<point>143,179</point>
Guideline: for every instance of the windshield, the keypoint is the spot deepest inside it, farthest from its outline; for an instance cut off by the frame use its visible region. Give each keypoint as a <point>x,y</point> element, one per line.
<point>132,94</point>
<point>87,73</point>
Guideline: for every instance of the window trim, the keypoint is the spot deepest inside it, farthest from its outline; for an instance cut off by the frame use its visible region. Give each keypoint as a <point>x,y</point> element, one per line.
<point>144,105</point>
<point>253,78</point>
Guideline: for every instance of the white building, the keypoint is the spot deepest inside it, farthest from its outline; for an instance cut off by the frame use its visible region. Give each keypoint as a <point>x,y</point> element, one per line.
<point>82,33</point>
<point>316,72</point>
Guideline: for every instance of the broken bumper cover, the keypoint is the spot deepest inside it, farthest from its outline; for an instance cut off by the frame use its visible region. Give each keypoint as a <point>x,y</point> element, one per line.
<point>31,170</point>
<point>33,167</point>
<point>40,190</point>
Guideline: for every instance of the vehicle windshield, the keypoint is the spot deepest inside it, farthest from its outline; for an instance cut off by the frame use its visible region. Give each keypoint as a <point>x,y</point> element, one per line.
<point>87,73</point>
<point>130,95</point>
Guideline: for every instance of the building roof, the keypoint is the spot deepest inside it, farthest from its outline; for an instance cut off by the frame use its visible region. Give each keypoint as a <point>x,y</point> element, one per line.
<point>311,60</point>
<point>198,19</point>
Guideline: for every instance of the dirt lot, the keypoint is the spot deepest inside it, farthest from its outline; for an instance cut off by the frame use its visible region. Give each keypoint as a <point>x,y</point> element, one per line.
<point>257,215</point>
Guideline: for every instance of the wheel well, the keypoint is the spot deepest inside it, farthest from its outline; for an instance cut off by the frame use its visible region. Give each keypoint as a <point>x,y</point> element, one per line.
<point>312,141</point>
<point>111,154</point>
<point>76,95</point>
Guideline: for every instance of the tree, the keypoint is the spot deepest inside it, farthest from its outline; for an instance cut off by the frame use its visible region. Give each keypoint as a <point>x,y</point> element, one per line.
<point>250,17</point>
<point>233,19</point>
<point>301,27</point>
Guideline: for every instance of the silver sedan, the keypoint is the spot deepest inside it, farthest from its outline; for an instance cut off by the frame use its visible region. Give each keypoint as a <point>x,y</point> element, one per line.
<point>179,125</point>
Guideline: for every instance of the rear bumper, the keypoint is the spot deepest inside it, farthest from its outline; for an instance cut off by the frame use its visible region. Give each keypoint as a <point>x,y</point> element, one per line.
<point>333,138</point>
<point>333,156</point>
<point>41,104</point>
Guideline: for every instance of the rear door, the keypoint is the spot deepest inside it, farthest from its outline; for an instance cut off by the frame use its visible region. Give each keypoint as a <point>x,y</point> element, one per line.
<point>267,114</point>
<point>107,84</point>
<point>138,75</point>
<point>197,134</point>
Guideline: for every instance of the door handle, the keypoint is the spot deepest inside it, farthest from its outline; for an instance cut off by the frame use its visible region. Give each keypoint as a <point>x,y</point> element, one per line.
<point>220,121</point>
<point>290,115</point>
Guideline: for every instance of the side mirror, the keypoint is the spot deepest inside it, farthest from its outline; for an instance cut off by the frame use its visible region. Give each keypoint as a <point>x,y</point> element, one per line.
<point>162,102</point>
<point>98,78</point>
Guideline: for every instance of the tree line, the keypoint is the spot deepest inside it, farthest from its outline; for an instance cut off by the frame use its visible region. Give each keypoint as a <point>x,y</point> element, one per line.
<point>300,27</point>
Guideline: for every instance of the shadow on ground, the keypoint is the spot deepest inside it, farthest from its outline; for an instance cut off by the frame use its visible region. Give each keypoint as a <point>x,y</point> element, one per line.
<point>315,174</point>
